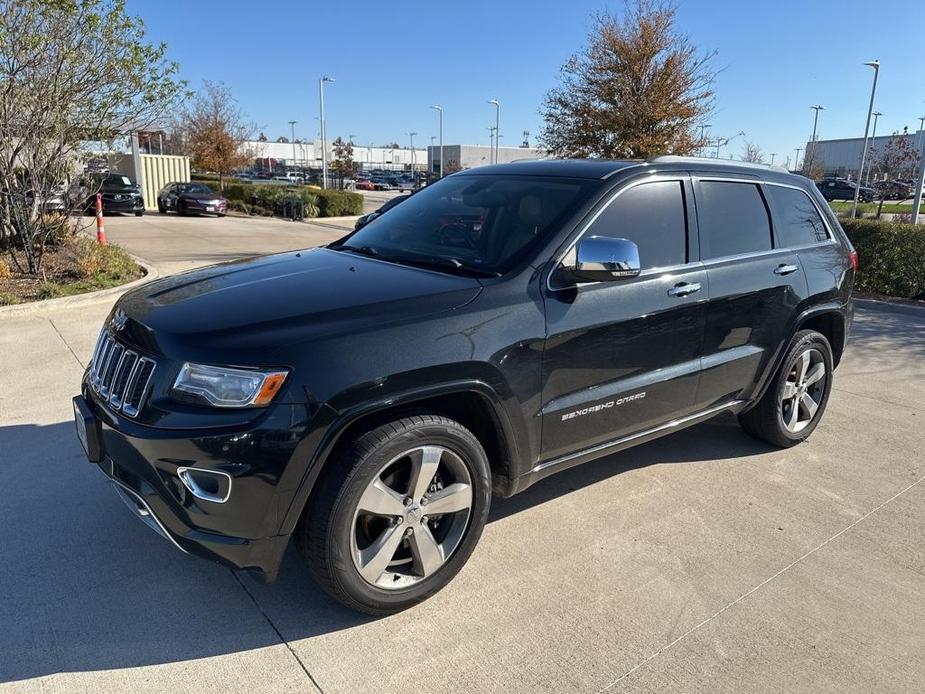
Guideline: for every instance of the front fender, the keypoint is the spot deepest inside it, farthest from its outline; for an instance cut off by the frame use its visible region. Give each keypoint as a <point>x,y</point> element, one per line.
<point>336,417</point>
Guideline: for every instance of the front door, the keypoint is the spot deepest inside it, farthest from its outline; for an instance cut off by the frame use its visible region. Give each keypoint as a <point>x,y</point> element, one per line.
<point>623,356</point>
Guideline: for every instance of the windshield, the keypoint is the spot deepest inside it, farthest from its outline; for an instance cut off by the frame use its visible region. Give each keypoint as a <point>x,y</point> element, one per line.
<point>483,223</point>
<point>117,180</point>
<point>194,188</point>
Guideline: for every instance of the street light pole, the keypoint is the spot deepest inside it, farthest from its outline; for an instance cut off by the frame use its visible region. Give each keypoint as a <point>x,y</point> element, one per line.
<point>812,151</point>
<point>873,145</point>
<point>439,109</point>
<point>292,125</point>
<point>875,64</point>
<point>497,105</point>
<point>773,154</point>
<point>324,145</point>
<point>411,135</point>
<point>796,162</point>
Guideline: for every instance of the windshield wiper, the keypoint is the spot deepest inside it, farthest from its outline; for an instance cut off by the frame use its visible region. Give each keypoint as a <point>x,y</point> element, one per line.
<point>362,250</point>
<point>442,263</point>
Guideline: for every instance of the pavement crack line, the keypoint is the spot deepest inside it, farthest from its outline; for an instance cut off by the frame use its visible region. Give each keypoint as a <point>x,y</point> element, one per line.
<point>742,597</point>
<point>278,632</point>
<point>66,344</point>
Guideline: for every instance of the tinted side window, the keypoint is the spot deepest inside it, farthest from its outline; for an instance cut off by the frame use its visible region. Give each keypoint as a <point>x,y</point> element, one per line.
<point>796,218</point>
<point>652,216</point>
<point>733,219</point>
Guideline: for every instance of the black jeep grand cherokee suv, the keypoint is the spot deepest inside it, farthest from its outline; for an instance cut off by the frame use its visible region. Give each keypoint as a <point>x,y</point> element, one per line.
<point>508,322</point>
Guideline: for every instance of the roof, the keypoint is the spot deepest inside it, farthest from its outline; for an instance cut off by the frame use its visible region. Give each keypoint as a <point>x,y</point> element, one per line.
<point>605,168</point>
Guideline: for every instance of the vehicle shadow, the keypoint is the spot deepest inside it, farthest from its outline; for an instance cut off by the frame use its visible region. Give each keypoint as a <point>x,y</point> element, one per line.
<point>85,587</point>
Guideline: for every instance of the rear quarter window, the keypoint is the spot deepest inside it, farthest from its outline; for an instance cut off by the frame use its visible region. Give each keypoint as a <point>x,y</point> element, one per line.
<point>796,219</point>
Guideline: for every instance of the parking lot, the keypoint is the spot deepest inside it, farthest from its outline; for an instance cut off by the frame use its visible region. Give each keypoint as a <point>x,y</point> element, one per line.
<point>702,562</point>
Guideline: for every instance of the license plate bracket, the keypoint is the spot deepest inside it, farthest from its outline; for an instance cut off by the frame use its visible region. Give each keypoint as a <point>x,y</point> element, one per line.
<point>88,429</point>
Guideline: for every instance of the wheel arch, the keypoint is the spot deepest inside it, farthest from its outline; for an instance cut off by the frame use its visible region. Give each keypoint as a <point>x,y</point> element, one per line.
<point>473,404</point>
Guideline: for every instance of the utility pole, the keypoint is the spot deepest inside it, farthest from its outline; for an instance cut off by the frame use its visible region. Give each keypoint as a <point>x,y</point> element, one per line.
<point>875,64</point>
<point>796,162</point>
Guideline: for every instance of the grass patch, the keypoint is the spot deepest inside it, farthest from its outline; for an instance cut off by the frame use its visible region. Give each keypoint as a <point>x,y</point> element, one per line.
<point>871,207</point>
<point>76,265</point>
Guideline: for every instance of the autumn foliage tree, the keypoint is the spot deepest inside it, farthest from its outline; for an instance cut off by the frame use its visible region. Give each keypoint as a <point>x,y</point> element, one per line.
<point>342,163</point>
<point>638,89</point>
<point>213,129</point>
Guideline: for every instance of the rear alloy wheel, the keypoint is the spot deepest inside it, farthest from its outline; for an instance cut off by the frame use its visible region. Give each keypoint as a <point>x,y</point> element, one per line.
<point>398,514</point>
<point>795,400</point>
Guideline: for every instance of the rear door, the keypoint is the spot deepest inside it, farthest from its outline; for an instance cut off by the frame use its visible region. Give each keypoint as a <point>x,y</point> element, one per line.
<point>755,286</point>
<point>624,356</point>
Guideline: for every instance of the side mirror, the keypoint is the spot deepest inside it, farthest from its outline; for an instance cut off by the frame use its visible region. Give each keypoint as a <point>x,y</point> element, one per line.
<point>604,259</point>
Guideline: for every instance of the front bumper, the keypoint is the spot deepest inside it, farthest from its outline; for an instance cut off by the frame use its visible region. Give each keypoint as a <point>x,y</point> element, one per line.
<point>143,464</point>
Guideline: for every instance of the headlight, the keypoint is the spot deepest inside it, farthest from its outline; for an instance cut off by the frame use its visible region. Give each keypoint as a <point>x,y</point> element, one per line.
<point>223,386</point>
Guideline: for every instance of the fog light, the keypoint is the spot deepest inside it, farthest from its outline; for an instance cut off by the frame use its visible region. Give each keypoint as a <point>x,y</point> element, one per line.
<point>208,485</point>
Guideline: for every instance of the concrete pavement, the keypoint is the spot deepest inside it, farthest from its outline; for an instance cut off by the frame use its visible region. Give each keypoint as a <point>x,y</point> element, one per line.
<point>703,562</point>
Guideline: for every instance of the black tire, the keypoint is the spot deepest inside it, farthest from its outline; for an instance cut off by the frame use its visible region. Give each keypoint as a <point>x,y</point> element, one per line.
<point>181,208</point>
<point>326,532</point>
<point>161,208</point>
<point>139,213</point>
<point>765,420</point>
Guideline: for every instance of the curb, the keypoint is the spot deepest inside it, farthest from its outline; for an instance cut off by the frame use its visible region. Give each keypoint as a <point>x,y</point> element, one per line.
<point>40,308</point>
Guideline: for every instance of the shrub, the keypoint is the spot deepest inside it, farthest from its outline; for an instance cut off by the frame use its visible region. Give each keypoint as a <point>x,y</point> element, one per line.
<point>5,271</point>
<point>238,191</point>
<point>892,257</point>
<point>338,203</point>
<point>8,299</point>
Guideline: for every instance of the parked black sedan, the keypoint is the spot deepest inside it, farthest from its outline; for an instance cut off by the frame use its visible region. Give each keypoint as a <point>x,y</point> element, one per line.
<point>120,193</point>
<point>843,189</point>
<point>186,198</point>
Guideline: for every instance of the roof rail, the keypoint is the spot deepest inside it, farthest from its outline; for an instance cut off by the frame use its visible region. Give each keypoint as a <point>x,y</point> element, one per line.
<point>710,160</point>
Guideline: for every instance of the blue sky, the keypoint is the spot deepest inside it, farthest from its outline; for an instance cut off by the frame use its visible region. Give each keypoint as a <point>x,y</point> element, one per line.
<point>393,59</point>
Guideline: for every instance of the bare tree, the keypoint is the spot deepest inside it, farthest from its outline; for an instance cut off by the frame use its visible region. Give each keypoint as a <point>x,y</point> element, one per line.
<point>813,165</point>
<point>752,153</point>
<point>71,71</point>
<point>638,89</point>
<point>214,129</point>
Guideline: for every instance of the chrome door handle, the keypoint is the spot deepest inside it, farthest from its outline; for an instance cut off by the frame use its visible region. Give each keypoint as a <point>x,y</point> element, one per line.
<point>683,289</point>
<point>785,269</point>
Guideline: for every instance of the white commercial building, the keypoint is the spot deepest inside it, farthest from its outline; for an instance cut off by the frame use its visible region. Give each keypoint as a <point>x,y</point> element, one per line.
<point>456,157</point>
<point>308,155</point>
<point>843,157</point>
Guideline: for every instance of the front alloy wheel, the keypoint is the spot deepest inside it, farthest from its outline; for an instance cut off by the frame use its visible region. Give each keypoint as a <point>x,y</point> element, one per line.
<point>397,513</point>
<point>411,517</point>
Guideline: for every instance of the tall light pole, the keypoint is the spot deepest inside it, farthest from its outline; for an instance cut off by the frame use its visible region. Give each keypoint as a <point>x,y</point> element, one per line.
<point>812,151</point>
<point>773,154</point>
<point>873,145</point>
<point>796,162</point>
<point>875,64</point>
<point>292,125</point>
<point>411,135</point>
<point>703,127</point>
<point>439,109</point>
<point>324,144</point>
<point>921,122</point>
<point>497,105</point>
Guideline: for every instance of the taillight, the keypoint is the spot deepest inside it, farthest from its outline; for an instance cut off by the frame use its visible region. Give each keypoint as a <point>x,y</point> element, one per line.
<point>853,257</point>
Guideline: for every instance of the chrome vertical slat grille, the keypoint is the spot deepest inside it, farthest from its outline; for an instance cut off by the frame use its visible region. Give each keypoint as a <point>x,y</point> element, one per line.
<point>120,375</point>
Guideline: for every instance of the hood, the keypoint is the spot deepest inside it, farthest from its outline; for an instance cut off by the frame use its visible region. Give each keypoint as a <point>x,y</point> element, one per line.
<point>283,299</point>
